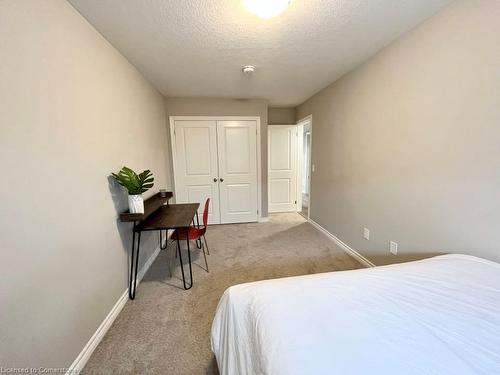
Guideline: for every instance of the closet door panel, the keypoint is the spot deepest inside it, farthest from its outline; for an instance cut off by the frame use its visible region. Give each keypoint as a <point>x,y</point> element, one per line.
<point>237,145</point>
<point>196,165</point>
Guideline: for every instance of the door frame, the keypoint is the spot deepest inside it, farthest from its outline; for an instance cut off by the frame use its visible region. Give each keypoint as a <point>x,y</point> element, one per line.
<point>300,125</point>
<point>172,120</point>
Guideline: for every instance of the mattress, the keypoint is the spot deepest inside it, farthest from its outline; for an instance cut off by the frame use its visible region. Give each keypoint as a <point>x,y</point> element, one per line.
<point>436,316</point>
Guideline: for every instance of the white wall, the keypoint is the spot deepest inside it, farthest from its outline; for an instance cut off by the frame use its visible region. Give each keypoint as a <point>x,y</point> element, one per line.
<point>408,144</point>
<point>281,116</point>
<point>72,110</point>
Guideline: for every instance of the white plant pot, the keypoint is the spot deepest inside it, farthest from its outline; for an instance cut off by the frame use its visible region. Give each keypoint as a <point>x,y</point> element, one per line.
<point>136,204</point>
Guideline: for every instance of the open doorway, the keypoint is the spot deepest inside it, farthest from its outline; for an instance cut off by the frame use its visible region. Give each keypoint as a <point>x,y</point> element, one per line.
<point>304,128</point>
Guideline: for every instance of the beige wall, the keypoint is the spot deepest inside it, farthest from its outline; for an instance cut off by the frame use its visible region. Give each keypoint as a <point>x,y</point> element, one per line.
<point>408,144</point>
<point>72,110</point>
<point>281,116</point>
<point>227,107</point>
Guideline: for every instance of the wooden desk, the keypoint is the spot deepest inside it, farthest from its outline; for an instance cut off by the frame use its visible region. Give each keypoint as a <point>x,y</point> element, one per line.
<point>158,217</point>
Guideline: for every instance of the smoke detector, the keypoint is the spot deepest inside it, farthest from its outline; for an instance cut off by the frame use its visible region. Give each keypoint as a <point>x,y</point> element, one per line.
<point>248,69</point>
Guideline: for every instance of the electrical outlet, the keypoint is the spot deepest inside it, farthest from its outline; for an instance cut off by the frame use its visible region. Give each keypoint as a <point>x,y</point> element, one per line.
<point>366,233</point>
<point>393,248</point>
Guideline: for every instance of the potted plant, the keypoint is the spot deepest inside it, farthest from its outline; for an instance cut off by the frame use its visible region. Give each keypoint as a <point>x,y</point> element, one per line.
<point>136,184</point>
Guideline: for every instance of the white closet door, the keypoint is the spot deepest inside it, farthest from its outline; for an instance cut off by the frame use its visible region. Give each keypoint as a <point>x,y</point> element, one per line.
<point>196,169</point>
<point>282,168</point>
<point>237,144</point>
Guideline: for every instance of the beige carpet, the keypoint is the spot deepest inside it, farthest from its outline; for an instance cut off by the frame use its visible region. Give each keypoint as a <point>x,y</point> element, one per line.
<point>166,330</point>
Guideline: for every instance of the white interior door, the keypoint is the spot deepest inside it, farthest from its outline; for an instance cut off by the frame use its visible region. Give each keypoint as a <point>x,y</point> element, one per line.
<point>196,169</point>
<point>237,145</point>
<point>282,168</point>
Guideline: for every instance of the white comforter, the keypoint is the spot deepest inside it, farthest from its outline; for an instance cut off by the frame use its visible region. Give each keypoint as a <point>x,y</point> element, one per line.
<point>436,316</point>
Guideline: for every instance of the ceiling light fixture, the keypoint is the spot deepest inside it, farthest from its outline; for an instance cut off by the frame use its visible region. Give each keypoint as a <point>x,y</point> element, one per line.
<point>248,69</point>
<point>266,8</point>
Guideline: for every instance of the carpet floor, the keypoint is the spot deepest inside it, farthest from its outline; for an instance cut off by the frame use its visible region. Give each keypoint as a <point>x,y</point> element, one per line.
<point>166,330</point>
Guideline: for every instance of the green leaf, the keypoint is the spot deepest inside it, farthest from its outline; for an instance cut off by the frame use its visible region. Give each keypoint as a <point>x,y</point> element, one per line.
<point>133,182</point>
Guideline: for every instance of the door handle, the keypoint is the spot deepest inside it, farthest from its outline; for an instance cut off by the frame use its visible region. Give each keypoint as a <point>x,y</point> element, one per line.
<point>221,180</point>
<point>215,180</point>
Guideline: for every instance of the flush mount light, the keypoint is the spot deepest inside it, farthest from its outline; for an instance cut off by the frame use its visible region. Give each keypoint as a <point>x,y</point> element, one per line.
<point>248,69</point>
<point>266,8</point>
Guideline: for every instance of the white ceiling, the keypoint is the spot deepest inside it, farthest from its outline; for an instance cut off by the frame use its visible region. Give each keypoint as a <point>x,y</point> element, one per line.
<point>196,48</point>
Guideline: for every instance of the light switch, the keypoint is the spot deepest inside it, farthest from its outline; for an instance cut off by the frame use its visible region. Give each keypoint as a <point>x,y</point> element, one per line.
<point>366,233</point>
<point>393,248</point>
<point>313,167</point>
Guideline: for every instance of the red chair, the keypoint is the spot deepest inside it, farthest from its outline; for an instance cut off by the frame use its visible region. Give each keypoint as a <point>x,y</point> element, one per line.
<point>195,233</point>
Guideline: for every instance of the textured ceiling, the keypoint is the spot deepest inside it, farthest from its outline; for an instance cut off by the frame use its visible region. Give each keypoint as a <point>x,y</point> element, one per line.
<point>196,48</point>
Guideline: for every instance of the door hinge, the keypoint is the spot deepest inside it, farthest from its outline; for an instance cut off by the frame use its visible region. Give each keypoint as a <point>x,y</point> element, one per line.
<point>257,212</point>
<point>295,202</point>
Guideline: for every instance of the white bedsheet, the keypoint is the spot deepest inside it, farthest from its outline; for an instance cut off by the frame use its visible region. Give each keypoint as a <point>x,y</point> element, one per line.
<point>436,316</point>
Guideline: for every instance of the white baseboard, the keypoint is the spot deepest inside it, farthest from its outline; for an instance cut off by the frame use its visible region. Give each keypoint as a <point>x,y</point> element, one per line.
<point>263,219</point>
<point>360,258</point>
<point>80,361</point>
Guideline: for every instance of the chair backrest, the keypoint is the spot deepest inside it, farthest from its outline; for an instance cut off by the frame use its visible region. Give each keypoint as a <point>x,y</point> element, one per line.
<point>205,213</point>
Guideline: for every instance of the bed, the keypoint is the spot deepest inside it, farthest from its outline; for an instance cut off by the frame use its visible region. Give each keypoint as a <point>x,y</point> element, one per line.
<point>436,316</point>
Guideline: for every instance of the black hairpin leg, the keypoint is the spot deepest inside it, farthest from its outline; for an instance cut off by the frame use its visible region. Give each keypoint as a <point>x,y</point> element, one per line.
<point>190,268</point>
<point>133,271</point>
<point>166,240</point>
<point>198,241</point>
<point>186,287</point>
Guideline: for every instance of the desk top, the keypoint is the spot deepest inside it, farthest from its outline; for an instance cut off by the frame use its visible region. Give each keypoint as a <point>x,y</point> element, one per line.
<point>172,216</point>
